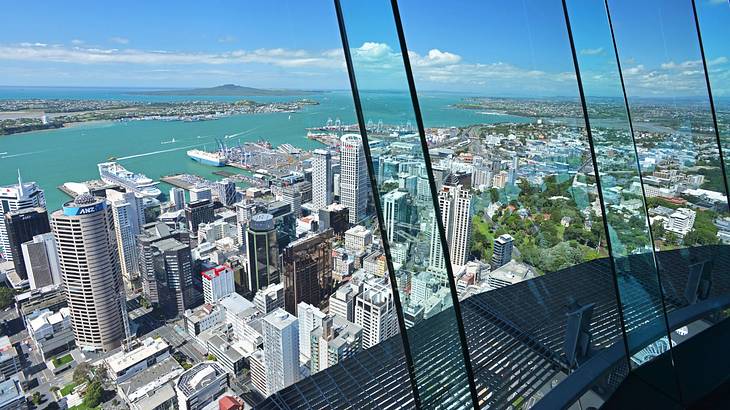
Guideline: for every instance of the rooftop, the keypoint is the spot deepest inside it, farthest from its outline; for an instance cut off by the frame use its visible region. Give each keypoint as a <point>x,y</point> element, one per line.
<point>122,360</point>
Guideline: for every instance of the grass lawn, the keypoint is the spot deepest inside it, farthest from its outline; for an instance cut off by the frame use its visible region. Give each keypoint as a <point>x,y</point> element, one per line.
<point>67,389</point>
<point>60,361</point>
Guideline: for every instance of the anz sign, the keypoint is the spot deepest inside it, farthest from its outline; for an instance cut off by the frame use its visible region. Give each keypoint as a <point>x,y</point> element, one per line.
<point>84,210</point>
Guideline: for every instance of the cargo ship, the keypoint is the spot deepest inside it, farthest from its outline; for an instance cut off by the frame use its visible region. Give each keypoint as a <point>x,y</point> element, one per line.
<point>216,159</point>
<point>113,173</point>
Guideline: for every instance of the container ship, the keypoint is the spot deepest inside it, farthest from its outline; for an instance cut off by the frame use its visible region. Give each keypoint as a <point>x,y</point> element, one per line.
<point>216,159</point>
<point>113,173</point>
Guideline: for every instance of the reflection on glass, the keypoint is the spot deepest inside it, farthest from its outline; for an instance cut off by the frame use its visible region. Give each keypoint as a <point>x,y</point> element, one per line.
<point>405,202</point>
<point>682,173</point>
<point>512,157</point>
<point>713,18</point>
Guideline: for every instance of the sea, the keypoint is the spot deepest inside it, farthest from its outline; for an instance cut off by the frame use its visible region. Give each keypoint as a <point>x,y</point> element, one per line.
<point>71,154</point>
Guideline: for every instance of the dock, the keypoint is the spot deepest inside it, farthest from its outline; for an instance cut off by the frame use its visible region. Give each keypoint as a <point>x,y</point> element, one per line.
<point>185,181</point>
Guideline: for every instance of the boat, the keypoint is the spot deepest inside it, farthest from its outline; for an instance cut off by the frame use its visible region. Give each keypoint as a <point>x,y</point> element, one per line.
<point>172,141</point>
<point>216,159</point>
<point>111,159</point>
<point>113,173</point>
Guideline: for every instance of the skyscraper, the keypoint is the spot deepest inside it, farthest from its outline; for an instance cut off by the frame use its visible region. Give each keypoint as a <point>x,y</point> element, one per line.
<point>353,177</point>
<point>21,226</point>
<point>13,198</point>
<point>309,318</point>
<point>128,214</point>
<point>198,212</point>
<point>375,313</point>
<point>90,271</point>
<point>41,261</point>
<point>281,349</point>
<point>502,251</point>
<point>307,271</point>
<point>177,198</point>
<point>165,265</point>
<point>455,207</point>
<point>322,178</point>
<point>262,252</point>
<point>395,212</point>
<point>225,190</point>
<point>292,197</point>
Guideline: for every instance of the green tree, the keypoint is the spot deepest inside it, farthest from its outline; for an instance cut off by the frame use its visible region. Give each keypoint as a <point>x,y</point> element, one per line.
<point>494,195</point>
<point>36,398</point>
<point>7,297</point>
<point>94,394</point>
<point>211,357</point>
<point>82,373</point>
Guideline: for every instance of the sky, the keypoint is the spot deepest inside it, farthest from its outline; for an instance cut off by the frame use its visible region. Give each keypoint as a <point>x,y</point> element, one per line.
<point>515,48</point>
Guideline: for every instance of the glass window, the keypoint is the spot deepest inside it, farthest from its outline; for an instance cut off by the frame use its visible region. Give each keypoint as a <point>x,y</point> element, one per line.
<point>405,200</point>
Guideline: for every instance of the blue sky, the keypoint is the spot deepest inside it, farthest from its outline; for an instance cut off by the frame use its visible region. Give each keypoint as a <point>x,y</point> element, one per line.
<point>490,47</point>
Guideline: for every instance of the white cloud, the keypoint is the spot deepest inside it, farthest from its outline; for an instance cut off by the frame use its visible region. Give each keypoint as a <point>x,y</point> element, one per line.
<point>77,42</point>
<point>592,51</point>
<point>119,40</point>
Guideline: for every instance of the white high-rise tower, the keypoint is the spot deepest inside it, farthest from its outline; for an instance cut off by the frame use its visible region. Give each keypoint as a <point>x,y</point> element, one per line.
<point>354,184</point>
<point>128,214</point>
<point>13,198</point>
<point>322,178</point>
<point>455,206</point>
<point>90,271</point>
<point>281,349</point>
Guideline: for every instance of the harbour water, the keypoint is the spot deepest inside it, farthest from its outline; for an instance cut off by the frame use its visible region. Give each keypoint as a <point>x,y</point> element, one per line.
<point>52,157</point>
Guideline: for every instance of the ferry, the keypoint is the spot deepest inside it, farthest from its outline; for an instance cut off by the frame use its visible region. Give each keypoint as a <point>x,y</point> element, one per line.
<point>113,173</point>
<point>216,159</point>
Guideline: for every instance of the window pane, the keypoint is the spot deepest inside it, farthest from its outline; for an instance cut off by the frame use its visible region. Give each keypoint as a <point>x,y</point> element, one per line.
<point>406,205</point>
<point>505,126</point>
<point>682,173</point>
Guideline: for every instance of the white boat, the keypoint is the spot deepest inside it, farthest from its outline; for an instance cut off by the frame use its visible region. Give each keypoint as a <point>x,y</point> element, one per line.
<point>113,173</point>
<point>172,141</point>
<point>215,159</point>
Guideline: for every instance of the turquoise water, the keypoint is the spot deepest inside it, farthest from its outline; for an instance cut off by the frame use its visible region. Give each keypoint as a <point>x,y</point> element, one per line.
<point>53,157</point>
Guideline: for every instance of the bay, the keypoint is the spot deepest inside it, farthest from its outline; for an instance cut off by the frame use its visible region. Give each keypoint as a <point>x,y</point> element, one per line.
<point>53,157</point>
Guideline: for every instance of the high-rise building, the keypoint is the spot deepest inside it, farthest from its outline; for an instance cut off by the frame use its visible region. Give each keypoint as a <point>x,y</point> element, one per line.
<point>357,239</point>
<point>225,190</point>
<point>13,198</point>
<point>90,271</point>
<point>395,212</point>
<point>292,197</point>
<point>177,198</point>
<point>342,302</point>
<point>333,341</point>
<point>128,214</point>
<point>21,226</point>
<point>307,271</point>
<point>281,349</point>
<point>375,313</point>
<point>502,251</point>
<point>41,261</point>
<point>309,318</point>
<point>322,178</point>
<point>217,283</point>
<point>334,216</point>
<point>269,298</point>
<point>455,207</point>
<point>200,193</point>
<point>262,252</point>
<point>354,184</point>
<point>198,212</point>
<point>165,264</point>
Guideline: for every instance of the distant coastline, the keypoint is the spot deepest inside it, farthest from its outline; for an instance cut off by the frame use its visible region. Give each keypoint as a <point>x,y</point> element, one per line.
<point>228,90</point>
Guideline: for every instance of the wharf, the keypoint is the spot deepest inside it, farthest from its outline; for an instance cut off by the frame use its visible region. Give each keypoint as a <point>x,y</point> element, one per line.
<point>185,181</point>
